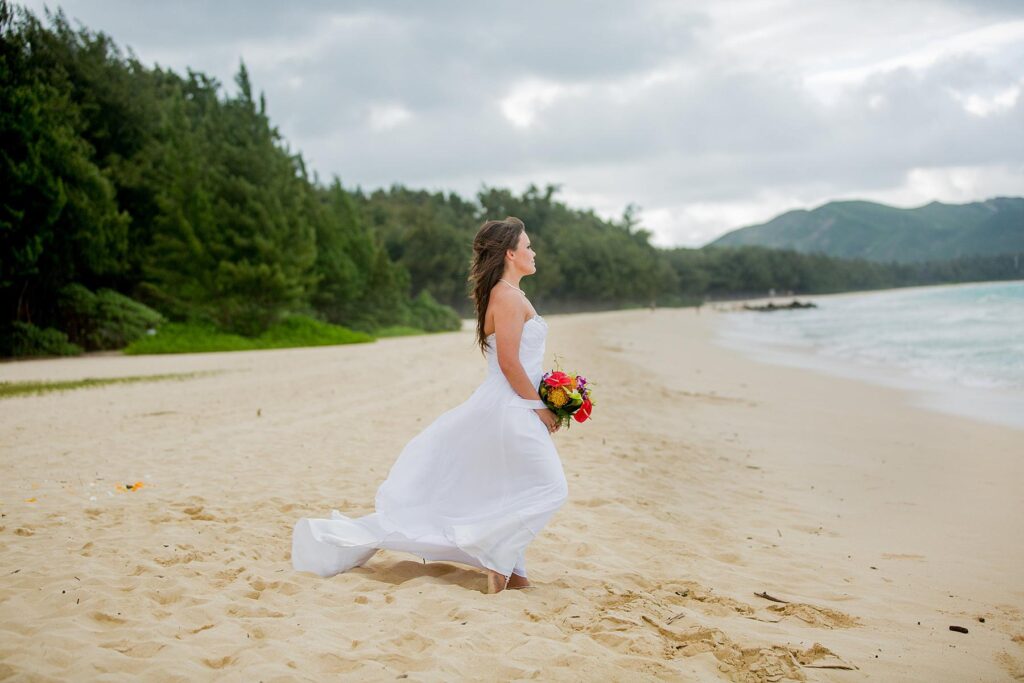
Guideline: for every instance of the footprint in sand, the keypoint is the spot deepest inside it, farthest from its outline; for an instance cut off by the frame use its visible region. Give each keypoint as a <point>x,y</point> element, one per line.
<point>143,650</point>
<point>259,585</point>
<point>197,514</point>
<point>253,612</point>
<point>328,662</point>
<point>166,596</point>
<point>219,663</point>
<point>227,576</point>
<point>181,558</point>
<point>105,618</point>
<point>411,643</point>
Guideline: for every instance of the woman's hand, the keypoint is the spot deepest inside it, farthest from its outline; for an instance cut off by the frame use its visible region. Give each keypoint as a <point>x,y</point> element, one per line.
<point>550,420</point>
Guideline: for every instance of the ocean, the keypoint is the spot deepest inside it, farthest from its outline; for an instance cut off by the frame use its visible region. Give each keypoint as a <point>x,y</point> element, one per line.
<point>958,348</point>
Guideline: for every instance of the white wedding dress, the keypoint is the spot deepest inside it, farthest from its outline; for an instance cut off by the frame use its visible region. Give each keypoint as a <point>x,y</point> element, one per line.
<point>474,487</point>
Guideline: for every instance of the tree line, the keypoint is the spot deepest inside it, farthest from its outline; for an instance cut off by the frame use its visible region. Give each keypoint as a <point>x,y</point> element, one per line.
<point>134,195</point>
<point>585,262</point>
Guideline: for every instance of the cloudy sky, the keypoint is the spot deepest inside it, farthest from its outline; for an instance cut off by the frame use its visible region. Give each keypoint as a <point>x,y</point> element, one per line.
<point>707,115</point>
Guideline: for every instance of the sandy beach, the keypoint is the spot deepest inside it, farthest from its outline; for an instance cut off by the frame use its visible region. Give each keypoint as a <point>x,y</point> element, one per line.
<point>704,479</point>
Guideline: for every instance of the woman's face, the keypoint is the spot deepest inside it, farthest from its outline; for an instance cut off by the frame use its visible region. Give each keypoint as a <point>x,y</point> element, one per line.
<point>522,260</point>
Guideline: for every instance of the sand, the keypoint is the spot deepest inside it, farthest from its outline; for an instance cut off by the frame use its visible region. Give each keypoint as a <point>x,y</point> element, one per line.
<point>704,478</point>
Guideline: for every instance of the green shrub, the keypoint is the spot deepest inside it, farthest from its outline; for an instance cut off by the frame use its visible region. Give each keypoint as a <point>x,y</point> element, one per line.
<point>427,314</point>
<point>24,339</point>
<point>300,330</point>
<point>105,319</point>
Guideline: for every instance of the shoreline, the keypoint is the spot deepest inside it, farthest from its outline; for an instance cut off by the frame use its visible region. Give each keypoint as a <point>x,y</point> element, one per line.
<point>855,292</point>
<point>989,404</point>
<point>703,478</point>
<point>995,406</point>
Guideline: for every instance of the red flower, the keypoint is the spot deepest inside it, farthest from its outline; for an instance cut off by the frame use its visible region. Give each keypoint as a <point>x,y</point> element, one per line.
<point>558,379</point>
<point>583,412</point>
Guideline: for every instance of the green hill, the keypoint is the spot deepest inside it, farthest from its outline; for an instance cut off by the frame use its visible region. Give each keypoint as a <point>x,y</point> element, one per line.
<point>876,232</point>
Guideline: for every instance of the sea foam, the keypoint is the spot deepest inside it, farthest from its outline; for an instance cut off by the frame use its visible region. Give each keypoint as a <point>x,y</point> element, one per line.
<point>960,348</point>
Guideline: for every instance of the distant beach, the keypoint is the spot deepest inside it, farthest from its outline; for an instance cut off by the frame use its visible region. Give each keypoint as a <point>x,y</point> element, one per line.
<point>728,519</point>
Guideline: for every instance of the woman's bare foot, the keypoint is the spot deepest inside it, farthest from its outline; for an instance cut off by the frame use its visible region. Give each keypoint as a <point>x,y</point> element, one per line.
<point>516,581</point>
<point>495,582</point>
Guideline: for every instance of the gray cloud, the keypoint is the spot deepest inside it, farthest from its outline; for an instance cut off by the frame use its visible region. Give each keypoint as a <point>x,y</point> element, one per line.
<point>674,107</point>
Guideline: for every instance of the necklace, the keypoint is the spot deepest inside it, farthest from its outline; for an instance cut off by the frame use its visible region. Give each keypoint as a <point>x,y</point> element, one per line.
<point>501,279</point>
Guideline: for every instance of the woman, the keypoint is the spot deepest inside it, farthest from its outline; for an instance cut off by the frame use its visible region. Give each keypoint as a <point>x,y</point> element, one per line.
<point>484,478</point>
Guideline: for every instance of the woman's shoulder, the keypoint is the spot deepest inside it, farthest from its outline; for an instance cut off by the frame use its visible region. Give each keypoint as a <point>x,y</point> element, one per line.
<point>501,289</point>
<point>505,296</point>
<point>508,303</point>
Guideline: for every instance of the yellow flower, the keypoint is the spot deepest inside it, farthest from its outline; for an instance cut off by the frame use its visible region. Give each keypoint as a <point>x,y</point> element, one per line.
<point>558,397</point>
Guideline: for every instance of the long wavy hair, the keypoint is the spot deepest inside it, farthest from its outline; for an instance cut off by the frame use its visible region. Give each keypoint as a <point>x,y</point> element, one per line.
<point>492,240</point>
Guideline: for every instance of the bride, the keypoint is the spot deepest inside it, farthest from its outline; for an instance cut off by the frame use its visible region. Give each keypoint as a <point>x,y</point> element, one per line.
<point>484,478</point>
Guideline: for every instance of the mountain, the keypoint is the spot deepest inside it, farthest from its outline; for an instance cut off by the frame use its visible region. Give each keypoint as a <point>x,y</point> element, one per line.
<point>876,232</point>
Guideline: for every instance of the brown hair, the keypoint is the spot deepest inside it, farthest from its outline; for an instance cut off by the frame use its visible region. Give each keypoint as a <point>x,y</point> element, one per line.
<point>492,240</point>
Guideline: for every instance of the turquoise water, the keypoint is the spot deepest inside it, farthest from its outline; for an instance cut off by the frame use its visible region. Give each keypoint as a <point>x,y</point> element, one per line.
<point>960,347</point>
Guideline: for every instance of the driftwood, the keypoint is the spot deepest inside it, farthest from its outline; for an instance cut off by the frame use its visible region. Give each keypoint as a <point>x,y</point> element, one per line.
<point>771,597</point>
<point>844,666</point>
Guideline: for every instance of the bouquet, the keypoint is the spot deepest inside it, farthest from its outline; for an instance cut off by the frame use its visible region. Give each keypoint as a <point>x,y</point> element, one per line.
<point>567,395</point>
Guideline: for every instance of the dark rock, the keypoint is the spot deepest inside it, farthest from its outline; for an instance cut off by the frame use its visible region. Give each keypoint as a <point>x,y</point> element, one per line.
<point>770,306</point>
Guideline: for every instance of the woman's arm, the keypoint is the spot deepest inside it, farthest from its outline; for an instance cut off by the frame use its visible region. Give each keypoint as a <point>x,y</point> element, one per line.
<point>509,312</point>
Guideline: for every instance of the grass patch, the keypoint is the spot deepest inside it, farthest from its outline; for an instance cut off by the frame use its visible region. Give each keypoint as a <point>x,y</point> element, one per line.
<point>12,389</point>
<point>289,333</point>
<point>303,331</point>
<point>186,338</point>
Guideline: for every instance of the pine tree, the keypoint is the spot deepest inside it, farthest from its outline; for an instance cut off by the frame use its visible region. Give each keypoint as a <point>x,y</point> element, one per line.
<point>59,221</point>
